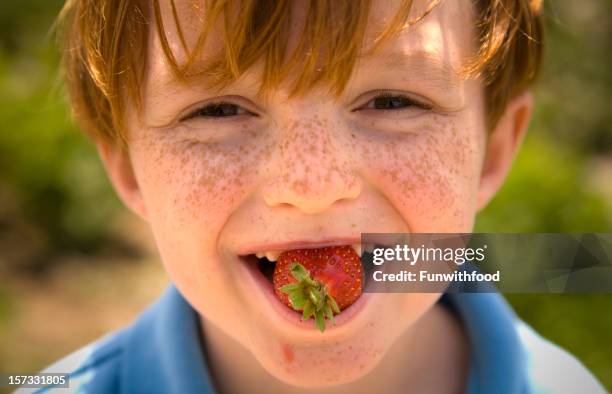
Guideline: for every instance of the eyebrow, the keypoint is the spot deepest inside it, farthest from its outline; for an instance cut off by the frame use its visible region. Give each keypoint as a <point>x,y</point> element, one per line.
<point>172,84</point>
<point>424,65</point>
<point>421,64</point>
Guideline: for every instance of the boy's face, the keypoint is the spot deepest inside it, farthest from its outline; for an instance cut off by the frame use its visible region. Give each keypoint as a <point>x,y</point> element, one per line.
<point>402,150</point>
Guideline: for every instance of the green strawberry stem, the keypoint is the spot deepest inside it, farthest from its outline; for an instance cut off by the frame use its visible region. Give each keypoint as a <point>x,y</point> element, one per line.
<point>310,296</point>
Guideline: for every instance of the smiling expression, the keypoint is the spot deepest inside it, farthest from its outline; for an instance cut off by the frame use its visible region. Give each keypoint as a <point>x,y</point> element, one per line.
<point>226,174</point>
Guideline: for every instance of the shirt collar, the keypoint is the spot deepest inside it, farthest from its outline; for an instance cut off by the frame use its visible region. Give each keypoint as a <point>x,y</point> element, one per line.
<point>164,352</point>
<point>497,361</point>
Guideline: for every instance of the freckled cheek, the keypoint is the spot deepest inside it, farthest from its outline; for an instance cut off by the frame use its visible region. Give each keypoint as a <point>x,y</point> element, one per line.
<point>190,191</point>
<point>430,180</point>
<point>197,186</point>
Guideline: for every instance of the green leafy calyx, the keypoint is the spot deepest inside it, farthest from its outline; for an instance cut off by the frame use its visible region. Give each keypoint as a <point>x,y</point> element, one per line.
<point>310,296</point>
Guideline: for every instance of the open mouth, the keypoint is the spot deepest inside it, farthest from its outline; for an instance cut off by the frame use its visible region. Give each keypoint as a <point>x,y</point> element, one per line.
<point>265,262</point>
<point>335,279</point>
<point>266,267</point>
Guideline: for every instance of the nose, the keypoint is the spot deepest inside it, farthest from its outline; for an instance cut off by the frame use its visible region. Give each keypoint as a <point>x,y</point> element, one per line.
<point>313,169</point>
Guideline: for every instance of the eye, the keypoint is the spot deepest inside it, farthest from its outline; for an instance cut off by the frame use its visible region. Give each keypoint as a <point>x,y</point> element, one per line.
<point>216,110</point>
<point>394,102</point>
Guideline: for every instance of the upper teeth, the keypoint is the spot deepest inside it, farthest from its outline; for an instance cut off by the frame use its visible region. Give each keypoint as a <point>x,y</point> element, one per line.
<point>272,255</point>
<point>357,249</point>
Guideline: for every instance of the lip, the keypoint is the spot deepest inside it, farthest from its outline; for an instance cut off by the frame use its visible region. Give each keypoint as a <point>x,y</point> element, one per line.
<point>263,292</point>
<point>298,244</point>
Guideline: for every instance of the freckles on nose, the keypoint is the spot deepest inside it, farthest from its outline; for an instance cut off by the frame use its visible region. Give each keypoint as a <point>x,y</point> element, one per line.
<point>310,172</point>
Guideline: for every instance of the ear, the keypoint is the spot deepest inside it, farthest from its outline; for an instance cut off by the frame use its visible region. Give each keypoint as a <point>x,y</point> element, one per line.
<point>502,146</point>
<point>119,168</point>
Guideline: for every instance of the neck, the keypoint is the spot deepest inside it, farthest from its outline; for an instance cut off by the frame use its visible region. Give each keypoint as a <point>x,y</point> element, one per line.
<point>431,356</point>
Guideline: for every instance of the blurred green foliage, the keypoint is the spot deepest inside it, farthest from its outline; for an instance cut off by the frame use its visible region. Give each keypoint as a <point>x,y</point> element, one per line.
<point>5,308</point>
<point>54,194</point>
<point>547,190</point>
<point>55,198</point>
<point>575,94</point>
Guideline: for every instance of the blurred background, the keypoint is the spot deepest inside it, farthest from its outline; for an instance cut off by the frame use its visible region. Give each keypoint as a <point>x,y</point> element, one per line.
<point>75,265</point>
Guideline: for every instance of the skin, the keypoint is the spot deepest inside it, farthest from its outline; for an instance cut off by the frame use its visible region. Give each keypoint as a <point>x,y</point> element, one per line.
<point>311,169</point>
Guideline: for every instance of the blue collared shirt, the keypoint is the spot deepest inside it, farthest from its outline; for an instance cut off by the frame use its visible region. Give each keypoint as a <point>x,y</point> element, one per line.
<point>161,352</point>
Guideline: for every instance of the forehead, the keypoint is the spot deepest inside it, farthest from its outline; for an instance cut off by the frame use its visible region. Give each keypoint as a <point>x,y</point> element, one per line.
<point>435,46</point>
<point>446,33</point>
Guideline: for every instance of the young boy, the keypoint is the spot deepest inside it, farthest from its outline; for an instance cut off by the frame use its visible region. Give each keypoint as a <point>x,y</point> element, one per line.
<point>243,129</point>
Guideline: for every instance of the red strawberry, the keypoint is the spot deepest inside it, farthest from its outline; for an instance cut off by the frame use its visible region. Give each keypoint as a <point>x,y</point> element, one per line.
<point>318,282</point>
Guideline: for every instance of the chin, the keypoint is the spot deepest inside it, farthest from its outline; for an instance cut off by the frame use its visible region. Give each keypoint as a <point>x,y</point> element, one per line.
<point>325,361</point>
<point>345,353</point>
<point>328,365</point>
